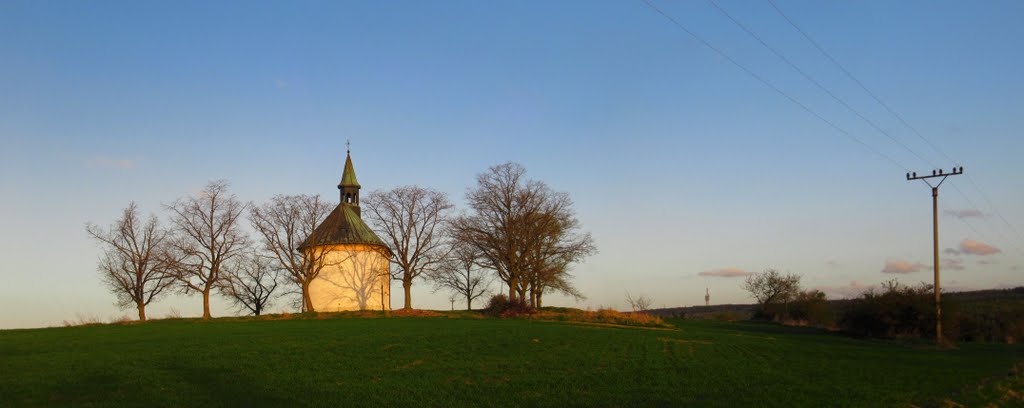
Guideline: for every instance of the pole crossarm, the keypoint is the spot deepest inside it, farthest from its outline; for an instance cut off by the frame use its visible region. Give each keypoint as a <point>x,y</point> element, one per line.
<point>935,237</point>
<point>936,173</point>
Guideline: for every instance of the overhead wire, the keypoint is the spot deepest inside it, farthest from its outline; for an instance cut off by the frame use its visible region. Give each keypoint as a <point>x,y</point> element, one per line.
<point>771,86</point>
<point>811,79</point>
<point>857,81</point>
<point>899,117</point>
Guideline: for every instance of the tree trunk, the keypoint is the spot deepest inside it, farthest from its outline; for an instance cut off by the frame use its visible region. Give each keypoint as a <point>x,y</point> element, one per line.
<point>533,299</point>
<point>307,302</point>
<point>540,297</point>
<point>469,302</point>
<point>407,285</point>
<point>512,282</point>
<point>206,304</point>
<point>142,311</point>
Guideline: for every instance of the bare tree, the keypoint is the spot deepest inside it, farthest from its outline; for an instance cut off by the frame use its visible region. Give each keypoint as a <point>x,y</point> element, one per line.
<point>207,237</point>
<point>772,288</point>
<point>554,243</point>
<point>286,223</point>
<point>132,266</point>
<point>461,275</point>
<point>524,231</point>
<point>363,278</point>
<point>250,282</point>
<point>410,218</point>
<point>639,304</point>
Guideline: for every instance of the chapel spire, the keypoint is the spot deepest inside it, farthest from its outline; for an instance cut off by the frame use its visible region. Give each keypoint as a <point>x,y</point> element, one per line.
<point>349,186</point>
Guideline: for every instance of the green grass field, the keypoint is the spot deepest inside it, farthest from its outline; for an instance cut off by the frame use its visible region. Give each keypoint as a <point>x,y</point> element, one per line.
<point>487,362</point>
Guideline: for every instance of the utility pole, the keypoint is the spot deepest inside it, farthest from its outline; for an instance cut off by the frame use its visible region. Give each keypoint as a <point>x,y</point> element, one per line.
<point>935,236</point>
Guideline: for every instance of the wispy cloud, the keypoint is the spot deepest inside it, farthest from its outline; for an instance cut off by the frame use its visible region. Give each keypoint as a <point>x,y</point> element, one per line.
<point>103,162</point>
<point>955,264</point>
<point>972,247</point>
<point>899,266</point>
<point>951,251</point>
<point>726,273</point>
<point>987,262</point>
<point>961,214</point>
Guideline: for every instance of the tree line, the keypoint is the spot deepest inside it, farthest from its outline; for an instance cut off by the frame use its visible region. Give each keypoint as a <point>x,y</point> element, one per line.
<point>515,229</point>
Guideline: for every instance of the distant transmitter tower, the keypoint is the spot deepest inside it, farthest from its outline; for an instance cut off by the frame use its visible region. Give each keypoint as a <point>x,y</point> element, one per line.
<point>707,297</point>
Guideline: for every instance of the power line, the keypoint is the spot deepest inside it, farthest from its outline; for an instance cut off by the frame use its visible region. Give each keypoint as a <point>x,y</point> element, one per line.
<point>857,81</point>
<point>898,117</point>
<point>769,84</point>
<point>993,210</point>
<point>814,81</point>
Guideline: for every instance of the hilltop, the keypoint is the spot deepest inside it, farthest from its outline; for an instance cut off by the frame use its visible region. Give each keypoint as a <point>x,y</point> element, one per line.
<point>464,359</point>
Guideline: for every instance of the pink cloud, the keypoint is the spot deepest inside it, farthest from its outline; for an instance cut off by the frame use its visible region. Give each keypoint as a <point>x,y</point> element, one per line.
<point>898,266</point>
<point>969,246</point>
<point>726,273</point>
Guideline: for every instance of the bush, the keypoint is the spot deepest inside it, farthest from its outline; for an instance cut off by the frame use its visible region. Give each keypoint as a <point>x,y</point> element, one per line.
<point>499,305</point>
<point>813,308</point>
<point>898,311</point>
<point>992,321</point>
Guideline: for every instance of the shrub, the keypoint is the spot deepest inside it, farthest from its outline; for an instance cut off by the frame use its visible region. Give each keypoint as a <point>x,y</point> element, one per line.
<point>611,316</point>
<point>898,311</point>
<point>499,305</point>
<point>992,321</point>
<point>813,308</point>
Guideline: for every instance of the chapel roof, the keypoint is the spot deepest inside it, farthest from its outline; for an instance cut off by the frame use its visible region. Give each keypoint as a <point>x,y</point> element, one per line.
<point>343,226</point>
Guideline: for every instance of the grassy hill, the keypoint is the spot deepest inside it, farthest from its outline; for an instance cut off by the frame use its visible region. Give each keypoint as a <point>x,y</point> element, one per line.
<point>429,361</point>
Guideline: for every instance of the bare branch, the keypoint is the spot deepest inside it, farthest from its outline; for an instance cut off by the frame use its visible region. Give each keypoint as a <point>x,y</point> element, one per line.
<point>132,265</point>
<point>410,220</point>
<point>207,236</point>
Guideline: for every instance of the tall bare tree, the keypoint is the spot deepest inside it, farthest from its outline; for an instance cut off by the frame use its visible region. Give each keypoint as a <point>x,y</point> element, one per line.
<point>207,236</point>
<point>285,223</point>
<point>132,266</point>
<point>460,273</point>
<point>411,219</point>
<point>554,242</point>
<point>524,231</point>
<point>250,283</point>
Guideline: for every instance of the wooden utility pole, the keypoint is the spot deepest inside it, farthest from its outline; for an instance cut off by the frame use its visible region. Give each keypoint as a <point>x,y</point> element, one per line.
<point>935,237</point>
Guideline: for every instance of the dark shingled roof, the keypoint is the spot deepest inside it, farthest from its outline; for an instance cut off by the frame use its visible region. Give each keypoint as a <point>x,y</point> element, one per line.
<point>343,226</point>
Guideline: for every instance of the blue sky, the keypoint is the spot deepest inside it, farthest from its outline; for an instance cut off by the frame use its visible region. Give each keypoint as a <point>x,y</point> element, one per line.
<point>679,162</point>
